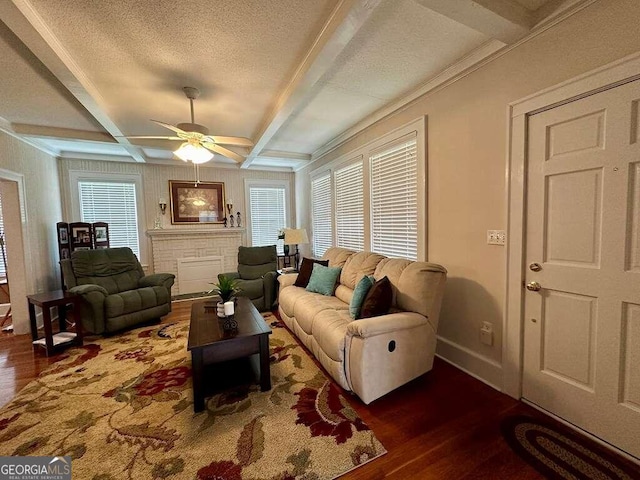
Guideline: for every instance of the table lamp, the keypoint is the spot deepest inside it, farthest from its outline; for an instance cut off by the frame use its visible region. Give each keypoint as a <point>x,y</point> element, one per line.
<point>295,236</point>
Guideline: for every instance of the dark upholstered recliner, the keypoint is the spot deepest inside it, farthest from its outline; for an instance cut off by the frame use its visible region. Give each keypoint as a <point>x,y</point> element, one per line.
<point>116,291</point>
<point>256,275</point>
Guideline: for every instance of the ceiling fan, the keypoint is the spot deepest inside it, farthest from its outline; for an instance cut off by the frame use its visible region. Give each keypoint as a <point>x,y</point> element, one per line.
<point>198,145</point>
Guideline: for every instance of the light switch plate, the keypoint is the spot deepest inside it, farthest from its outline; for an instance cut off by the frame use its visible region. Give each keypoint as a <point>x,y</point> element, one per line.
<point>496,237</point>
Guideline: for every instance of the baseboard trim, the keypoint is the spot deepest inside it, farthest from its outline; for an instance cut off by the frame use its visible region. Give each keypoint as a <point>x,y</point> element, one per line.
<point>478,366</point>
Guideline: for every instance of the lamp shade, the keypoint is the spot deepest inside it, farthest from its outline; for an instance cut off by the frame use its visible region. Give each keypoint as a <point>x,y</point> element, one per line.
<point>193,153</point>
<point>295,236</point>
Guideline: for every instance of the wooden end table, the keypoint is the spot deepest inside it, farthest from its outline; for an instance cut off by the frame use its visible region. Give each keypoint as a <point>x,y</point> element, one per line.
<point>209,343</point>
<point>52,341</point>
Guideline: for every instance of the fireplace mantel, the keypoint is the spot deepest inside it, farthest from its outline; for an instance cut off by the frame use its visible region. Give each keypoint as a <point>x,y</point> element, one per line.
<point>167,232</point>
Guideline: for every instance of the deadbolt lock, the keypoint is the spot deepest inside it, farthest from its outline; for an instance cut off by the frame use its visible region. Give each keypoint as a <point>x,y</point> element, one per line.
<point>535,267</point>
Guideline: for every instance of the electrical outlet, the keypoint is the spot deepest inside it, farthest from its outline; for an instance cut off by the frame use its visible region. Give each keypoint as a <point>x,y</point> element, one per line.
<point>496,237</point>
<point>486,333</point>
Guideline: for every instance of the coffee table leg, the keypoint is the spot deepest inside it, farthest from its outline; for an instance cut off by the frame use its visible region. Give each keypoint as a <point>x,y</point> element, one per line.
<point>196,373</point>
<point>265,372</point>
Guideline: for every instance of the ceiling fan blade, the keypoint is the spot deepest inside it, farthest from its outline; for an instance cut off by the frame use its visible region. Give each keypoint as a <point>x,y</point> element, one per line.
<point>234,141</point>
<point>224,151</point>
<point>152,137</point>
<point>170,127</point>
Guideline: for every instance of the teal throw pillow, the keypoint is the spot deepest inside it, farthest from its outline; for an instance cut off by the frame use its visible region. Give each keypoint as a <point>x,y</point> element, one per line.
<point>360,292</point>
<point>323,279</point>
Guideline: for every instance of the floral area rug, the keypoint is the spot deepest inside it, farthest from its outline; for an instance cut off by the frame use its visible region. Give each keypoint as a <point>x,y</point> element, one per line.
<point>122,407</point>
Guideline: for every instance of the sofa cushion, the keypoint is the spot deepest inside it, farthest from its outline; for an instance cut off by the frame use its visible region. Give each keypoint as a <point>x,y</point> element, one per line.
<point>378,299</point>
<point>254,262</point>
<point>135,300</point>
<point>251,288</point>
<point>114,269</point>
<point>330,331</point>
<point>309,306</point>
<point>302,280</point>
<point>359,294</point>
<point>392,268</point>
<point>357,266</point>
<point>337,256</point>
<point>323,279</point>
<point>289,296</point>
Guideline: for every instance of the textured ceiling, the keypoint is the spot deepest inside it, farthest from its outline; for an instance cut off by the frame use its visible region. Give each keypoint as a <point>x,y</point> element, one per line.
<point>139,54</point>
<point>29,93</point>
<point>401,45</point>
<point>532,5</point>
<point>292,75</point>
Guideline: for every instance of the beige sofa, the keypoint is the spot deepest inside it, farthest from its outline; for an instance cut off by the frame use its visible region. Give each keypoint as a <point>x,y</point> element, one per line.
<point>369,356</point>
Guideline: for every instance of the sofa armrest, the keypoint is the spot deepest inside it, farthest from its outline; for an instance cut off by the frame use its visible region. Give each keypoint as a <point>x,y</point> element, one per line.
<point>157,280</point>
<point>369,327</point>
<point>231,275</point>
<point>287,279</point>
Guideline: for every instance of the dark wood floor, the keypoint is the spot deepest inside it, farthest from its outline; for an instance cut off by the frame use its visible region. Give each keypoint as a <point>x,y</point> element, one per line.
<point>443,425</point>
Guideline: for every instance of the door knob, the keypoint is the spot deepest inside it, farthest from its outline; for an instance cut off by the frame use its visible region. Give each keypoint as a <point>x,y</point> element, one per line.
<point>534,286</point>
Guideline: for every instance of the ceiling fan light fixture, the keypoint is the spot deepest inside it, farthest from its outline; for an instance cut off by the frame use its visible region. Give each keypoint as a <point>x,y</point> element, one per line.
<point>193,153</point>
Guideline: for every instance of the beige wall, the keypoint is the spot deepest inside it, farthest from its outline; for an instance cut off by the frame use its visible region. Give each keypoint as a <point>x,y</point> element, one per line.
<point>467,135</point>
<point>155,180</point>
<point>41,211</point>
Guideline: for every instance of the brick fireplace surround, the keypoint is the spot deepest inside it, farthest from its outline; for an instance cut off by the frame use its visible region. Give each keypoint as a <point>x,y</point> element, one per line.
<point>170,244</point>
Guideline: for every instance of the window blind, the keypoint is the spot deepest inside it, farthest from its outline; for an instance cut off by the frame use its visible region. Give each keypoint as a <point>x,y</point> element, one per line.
<point>321,214</point>
<point>349,207</point>
<point>268,215</point>
<point>114,203</point>
<point>394,201</point>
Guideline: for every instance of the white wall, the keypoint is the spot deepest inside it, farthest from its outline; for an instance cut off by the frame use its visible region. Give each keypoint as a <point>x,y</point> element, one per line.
<point>467,151</point>
<point>155,180</point>
<point>41,211</point>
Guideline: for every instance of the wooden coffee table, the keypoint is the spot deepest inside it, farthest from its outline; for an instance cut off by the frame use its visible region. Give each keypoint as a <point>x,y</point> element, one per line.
<point>209,343</point>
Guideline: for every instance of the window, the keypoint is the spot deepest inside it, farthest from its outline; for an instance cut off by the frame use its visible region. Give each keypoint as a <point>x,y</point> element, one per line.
<point>114,203</point>
<point>321,214</point>
<point>349,207</point>
<point>268,213</point>
<point>394,201</point>
<point>374,198</point>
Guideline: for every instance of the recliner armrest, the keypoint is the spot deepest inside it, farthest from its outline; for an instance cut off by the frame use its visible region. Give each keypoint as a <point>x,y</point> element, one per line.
<point>157,279</point>
<point>369,327</point>
<point>88,288</point>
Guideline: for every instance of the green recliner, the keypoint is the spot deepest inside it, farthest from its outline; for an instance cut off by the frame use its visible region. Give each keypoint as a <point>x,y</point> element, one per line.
<point>116,291</point>
<point>256,275</point>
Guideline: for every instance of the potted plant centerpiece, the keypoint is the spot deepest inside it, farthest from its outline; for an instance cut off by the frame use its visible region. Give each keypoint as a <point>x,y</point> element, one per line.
<point>226,288</point>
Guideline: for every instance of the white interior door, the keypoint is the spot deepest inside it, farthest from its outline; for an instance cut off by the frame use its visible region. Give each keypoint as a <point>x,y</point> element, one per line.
<point>582,328</point>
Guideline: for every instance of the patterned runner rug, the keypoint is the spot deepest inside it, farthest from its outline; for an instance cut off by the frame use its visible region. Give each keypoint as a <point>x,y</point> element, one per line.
<point>122,407</point>
<point>558,452</point>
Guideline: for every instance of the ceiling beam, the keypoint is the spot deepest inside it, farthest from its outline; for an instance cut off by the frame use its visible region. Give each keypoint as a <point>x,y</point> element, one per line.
<point>343,24</point>
<point>23,20</point>
<point>299,157</point>
<point>503,20</point>
<point>55,133</point>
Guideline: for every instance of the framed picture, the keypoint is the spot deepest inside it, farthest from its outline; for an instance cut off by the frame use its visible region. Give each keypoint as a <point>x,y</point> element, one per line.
<point>101,234</point>
<point>201,203</point>
<point>63,235</point>
<point>81,235</point>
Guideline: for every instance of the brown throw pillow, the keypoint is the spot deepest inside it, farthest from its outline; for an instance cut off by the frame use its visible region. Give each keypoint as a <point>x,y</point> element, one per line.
<point>305,271</point>
<point>378,299</point>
